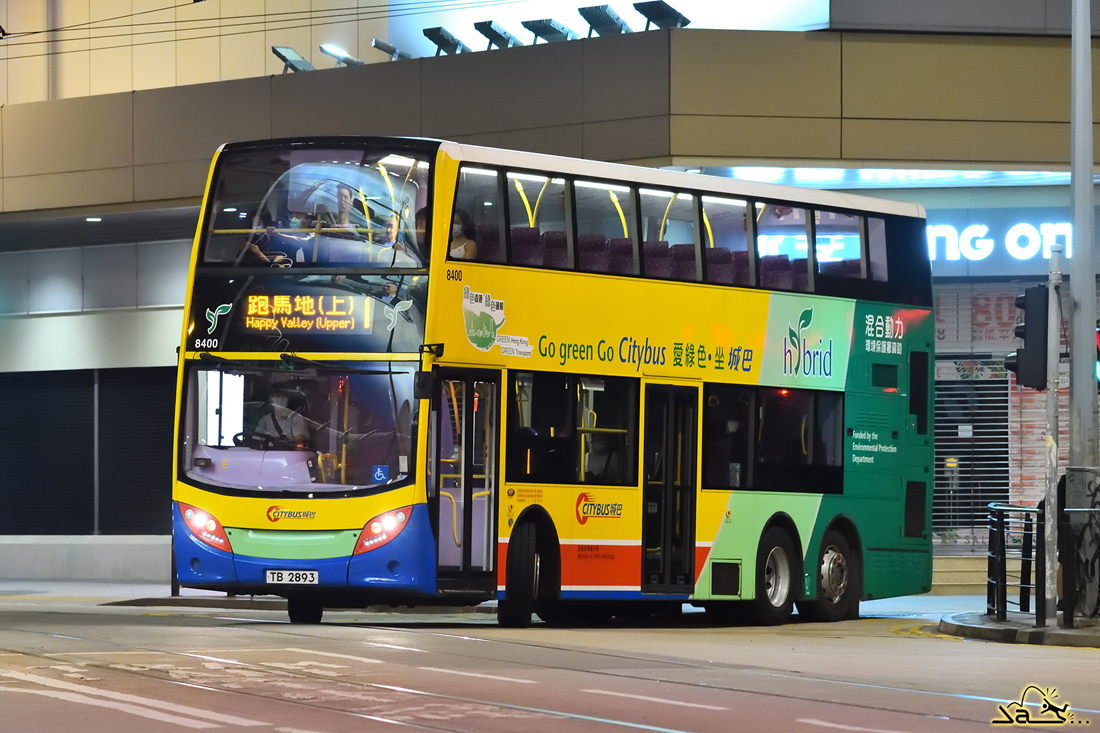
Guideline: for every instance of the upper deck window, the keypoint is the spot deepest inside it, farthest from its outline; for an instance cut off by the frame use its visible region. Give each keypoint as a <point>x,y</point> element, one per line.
<point>668,233</point>
<point>781,247</point>
<point>837,244</point>
<point>726,240</point>
<point>478,217</point>
<point>310,207</point>
<point>537,211</point>
<point>605,227</point>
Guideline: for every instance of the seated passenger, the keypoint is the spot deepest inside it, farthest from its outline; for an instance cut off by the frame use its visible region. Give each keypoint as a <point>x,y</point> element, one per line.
<point>282,424</point>
<point>257,249</point>
<point>463,246</point>
<point>344,198</point>
<point>601,463</point>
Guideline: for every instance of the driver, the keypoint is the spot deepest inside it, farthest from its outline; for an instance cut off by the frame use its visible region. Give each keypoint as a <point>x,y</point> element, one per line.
<point>283,424</point>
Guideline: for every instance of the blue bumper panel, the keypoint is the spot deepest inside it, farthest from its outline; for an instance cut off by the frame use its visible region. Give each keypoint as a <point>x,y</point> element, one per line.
<point>331,571</point>
<point>197,563</point>
<point>405,564</point>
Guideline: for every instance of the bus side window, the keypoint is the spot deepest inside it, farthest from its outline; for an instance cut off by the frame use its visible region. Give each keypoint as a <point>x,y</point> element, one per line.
<point>479,196</point>
<point>726,411</point>
<point>668,232</point>
<point>781,236</point>
<point>605,228</point>
<point>838,245</point>
<point>726,241</point>
<point>538,215</point>
<point>876,244</point>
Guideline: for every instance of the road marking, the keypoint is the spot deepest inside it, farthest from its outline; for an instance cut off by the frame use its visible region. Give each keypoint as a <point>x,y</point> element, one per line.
<point>838,726</point>
<point>395,646</point>
<point>476,674</point>
<point>666,701</point>
<point>135,699</point>
<point>366,660</point>
<point>119,706</point>
<point>525,708</point>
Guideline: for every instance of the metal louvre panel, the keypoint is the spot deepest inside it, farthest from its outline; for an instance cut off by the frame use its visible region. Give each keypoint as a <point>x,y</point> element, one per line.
<point>971,440</point>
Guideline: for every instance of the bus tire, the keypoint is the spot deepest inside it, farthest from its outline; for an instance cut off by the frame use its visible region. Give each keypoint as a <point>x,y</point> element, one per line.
<point>838,582</point>
<point>775,578</point>
<point>521,578</point>
<point>304,609</point>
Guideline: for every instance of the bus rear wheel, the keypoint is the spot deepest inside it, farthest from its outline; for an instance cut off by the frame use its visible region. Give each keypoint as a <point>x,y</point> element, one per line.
<point>521,578</point>
<point>838,582</point>
<point>304,609</point>
<point>775,578</point>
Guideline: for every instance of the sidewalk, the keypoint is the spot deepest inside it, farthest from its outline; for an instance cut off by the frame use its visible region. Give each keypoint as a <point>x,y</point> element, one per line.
<point>962,616</point>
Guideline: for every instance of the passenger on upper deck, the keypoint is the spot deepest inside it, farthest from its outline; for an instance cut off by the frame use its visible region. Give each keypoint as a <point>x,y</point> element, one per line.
<point>257,249</point>
<point>463,246</point>
<point>344,198</point>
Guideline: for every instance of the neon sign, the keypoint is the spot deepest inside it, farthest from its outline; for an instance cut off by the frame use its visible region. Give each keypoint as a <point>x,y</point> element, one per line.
<point>1022,241</point>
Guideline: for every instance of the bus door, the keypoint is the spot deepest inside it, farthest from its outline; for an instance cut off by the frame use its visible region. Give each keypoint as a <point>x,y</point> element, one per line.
<point>668,526</point>
<point>463,490</point>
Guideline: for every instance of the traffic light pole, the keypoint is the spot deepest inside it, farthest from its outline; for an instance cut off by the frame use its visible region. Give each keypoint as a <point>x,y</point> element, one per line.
<point>1050,524</point>
<point>1082,473</point>
<point>1082,375</point>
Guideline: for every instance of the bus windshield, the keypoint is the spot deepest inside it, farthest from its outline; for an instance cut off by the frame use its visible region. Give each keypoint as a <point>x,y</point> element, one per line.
<point>301,206</point>
<point>299,426</point>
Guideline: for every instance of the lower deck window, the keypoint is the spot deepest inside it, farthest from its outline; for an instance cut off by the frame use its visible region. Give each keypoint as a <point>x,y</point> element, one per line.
<point>572,429</point>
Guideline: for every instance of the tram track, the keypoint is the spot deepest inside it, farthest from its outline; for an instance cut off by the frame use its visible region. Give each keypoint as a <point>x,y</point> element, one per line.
<point>533,651</point>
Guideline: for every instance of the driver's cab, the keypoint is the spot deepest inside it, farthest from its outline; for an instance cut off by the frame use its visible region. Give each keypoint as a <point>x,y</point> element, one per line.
<point>272,427</point>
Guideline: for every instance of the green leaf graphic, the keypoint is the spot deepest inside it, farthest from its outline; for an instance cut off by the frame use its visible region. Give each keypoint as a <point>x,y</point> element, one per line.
<point>805,318</point>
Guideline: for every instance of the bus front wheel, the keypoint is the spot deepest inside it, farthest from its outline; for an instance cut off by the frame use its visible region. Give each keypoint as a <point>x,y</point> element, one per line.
<point>838,582</point>
<point>775,578</point>
<point>521,578</point>
<point>304,609</point>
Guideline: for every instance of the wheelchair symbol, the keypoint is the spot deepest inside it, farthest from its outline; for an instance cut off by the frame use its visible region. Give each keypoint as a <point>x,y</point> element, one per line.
<point>381,473</point>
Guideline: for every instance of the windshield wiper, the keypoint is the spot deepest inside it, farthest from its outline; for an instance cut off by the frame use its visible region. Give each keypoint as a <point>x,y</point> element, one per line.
<point>295,360</point>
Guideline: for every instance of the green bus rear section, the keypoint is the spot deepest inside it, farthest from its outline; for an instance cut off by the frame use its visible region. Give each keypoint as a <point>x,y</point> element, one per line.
<point>885,507</point>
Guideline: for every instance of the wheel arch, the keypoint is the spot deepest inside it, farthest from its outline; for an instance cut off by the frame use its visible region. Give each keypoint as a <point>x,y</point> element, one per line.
<point>783,521</point>
<point>548,547</point>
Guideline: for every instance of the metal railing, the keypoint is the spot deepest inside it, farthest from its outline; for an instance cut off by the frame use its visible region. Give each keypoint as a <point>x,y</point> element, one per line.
<point>1013,535</point>
<point>1016,533</point>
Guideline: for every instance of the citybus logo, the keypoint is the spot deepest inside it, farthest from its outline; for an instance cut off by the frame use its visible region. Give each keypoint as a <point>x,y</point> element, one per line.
<point>588,507</point>
<point>275,513</point>
<point>800,356</point>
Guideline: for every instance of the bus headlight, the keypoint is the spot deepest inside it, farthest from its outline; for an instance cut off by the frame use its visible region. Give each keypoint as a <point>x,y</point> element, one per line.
<point>382,529</point>
<point>206,527</point>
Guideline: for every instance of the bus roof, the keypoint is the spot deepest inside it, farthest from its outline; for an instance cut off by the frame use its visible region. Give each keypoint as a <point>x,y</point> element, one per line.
<point>657,177</point>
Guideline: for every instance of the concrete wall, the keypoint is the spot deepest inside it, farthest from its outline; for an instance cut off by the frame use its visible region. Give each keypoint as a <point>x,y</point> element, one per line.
<point>1031,17</point>
<point>685,96</point>
<point>122,45</point>
<point>137,558</point>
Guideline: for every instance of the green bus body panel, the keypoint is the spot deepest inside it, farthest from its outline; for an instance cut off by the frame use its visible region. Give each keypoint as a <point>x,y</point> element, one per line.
<point>747,513</point>
<point>883,454</point>
<point>292,545</point>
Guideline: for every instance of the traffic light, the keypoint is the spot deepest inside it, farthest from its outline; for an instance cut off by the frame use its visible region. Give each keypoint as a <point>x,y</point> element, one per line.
<point>1029,362</point>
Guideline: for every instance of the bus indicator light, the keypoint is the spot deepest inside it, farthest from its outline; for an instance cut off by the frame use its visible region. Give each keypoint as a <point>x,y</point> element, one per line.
<point>382,529</point>
<point>205,527</point>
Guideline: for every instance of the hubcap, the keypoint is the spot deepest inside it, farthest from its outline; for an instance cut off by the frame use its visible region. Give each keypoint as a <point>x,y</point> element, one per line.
<point>834,575</point>
<point>777,577</point>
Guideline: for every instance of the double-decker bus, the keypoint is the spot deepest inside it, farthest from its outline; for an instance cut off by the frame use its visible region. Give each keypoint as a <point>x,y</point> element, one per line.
<point>420,372</point>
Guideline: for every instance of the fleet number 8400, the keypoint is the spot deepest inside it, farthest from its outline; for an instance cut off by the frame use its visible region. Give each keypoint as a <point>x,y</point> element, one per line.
<point>206,344</point>
<point>454,275</point>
